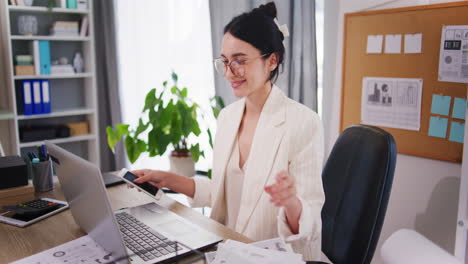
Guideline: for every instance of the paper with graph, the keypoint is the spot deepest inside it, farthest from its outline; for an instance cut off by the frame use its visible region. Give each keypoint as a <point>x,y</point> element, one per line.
<point>391,102</point>
<point>453,59</point>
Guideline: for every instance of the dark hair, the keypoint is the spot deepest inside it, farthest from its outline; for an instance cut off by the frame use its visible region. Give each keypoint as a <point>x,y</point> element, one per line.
<point>258,28</point>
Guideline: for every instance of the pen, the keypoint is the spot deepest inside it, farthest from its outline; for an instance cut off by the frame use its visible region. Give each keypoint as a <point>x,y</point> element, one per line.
<point>44,152</point>
<point>31,155</point>
<point>39,152</point>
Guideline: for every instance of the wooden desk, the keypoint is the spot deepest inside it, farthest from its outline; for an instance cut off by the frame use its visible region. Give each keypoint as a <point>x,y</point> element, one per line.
<point>17,243</point>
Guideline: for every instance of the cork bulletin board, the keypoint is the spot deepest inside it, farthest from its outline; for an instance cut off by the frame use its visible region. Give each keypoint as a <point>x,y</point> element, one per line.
<point>357,64</point>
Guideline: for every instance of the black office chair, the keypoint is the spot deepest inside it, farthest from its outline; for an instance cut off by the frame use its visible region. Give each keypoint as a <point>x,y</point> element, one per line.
<point>357,180</point>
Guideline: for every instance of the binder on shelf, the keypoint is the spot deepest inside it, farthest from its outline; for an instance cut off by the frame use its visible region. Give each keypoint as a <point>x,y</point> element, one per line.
<point>45,91</point>
<point>44,56</point>
<point>37,98</point>
<point>37,63</point>
<point>26,94</point>
<point>71,4</point>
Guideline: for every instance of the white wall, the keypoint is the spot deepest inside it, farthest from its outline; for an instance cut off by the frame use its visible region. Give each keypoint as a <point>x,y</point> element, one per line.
<point>425,192</point>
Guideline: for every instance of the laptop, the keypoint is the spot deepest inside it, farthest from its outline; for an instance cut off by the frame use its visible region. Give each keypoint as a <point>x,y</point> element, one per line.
<point>111,179</point>
<point>148,233</point>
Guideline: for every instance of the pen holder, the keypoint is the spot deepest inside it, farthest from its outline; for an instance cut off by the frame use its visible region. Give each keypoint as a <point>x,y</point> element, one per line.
<point>42,176</point>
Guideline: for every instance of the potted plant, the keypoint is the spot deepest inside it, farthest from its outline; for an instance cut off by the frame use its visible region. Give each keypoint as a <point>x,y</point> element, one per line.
<point>168,120</point>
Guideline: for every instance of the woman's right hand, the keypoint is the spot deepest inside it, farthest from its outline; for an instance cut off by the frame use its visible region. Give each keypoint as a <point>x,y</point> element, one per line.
<point>157,178</point>
<point>160,179</point>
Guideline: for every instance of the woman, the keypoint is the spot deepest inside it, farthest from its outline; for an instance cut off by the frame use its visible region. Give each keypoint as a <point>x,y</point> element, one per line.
<point>268,148</point>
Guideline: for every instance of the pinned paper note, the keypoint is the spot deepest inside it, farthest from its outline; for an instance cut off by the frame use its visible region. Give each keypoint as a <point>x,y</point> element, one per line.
<point>438,127</point>
<point>393,44</point>
<point>457,132</point>
<point>459,108</point>
<point>374,44</point>
<point>440,104</point>
<point>413,43</point>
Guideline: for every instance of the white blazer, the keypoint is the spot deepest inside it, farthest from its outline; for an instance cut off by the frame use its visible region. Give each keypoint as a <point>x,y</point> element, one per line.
<point>288,137</point>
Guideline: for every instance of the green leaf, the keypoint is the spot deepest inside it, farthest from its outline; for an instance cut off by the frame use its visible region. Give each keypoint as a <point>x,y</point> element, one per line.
<point>150,101</point>
<point>174,77</point>
<point>152,142</point>
<point>209,173</point>
<point>215,111</point>
<point>219,102</point>
<point>174,90</point>
<point>195,151</point>
<point>176,128</point>
<point>165,115</point>
<point>184,92</point>
<point>165,83</point>
<point>186,117</point>
<point>163,140</point>
<point>122,129</point>
<point>210,138</point>
<point>112,137</point>
<point>134,148</point>
<point>141,127</point>
<point>195,127</point>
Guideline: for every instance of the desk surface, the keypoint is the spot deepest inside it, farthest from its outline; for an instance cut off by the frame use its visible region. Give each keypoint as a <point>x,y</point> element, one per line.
<point>17,243</point>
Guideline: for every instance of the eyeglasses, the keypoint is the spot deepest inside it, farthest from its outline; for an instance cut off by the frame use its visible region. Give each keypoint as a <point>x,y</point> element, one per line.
<point>237,66</point>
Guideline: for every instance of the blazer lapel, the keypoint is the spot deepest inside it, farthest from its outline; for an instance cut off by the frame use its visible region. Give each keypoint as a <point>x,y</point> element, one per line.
<point>227,135</point>
<point>267,138</point>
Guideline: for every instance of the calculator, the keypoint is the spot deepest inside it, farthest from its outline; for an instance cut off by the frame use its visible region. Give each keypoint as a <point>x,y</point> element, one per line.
<point>24,214</point>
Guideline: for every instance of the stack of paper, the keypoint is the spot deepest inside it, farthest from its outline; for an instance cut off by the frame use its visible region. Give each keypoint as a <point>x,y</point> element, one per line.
<point>273,251</point>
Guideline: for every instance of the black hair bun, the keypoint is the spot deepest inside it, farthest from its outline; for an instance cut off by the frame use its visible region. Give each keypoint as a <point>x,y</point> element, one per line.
<point>269,9</point>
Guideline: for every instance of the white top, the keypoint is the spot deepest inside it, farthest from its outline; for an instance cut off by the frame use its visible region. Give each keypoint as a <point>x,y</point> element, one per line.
<point>233,186</point>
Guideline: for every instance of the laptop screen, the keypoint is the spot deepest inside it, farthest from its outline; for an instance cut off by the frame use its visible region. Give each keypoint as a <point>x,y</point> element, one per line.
<point>84,189</point>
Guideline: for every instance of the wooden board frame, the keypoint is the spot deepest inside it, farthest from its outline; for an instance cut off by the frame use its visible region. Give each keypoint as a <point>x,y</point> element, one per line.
<point>425,19</point>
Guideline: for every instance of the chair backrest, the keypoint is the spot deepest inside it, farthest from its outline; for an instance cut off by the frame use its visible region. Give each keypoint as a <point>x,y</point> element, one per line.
<point>357,180</point>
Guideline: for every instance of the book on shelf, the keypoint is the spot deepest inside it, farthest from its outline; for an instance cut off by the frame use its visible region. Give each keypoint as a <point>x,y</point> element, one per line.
<point>84,26</point>
<point>82,4</point>
<point>62,69</point>
<point>65,29</point>
<point>35,50</point>
<point>61,3</point>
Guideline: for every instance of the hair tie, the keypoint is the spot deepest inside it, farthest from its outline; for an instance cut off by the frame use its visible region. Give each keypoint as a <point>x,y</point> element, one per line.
<point>283,28</point>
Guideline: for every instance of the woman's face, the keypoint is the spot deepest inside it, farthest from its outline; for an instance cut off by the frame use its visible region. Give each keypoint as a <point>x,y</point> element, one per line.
<point>251,70</point>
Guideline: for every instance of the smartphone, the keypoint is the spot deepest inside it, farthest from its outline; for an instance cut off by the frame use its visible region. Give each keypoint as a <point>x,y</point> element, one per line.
<point>24,220</point>
<point>147,188</point>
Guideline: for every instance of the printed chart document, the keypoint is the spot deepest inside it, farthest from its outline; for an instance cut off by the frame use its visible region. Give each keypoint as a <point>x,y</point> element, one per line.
<point>268,251</point>
<point>80,250</point>
<point>453,59</point>
<point>391,102</point>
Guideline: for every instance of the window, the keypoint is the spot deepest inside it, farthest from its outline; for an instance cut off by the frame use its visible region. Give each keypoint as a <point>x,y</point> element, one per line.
<point>154,38</point>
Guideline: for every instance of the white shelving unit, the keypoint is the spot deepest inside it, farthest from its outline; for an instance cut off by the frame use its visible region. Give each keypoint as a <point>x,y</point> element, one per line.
<point>51,38</point>
<point>73,96</point>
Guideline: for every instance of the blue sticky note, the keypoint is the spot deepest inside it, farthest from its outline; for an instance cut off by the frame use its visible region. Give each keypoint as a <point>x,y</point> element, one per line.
<point>459,108</point>
<point>440,104</point>
<point>438,127</point>
<point>457,132</point>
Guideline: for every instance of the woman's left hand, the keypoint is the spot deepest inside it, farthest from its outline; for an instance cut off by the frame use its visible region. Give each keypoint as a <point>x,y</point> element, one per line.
<point>283,192</point>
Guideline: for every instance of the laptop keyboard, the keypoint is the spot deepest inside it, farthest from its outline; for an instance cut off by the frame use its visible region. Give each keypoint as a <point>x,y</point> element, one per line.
<point>144,241</point>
